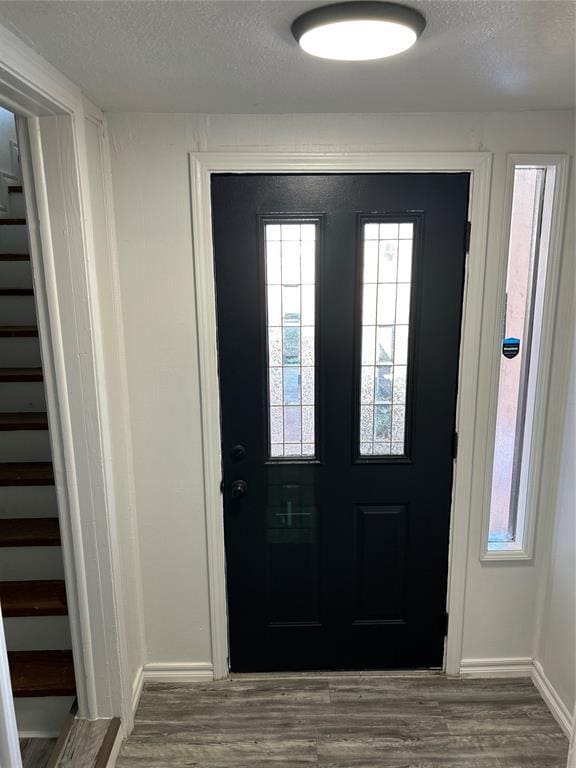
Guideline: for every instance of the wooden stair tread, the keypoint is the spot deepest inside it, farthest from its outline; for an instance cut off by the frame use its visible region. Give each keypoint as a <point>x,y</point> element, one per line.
<point>16,292</point>
<point>12,222</point>
<point>26,473</point>
<point>21,374</point>
<point>25,420</point>
<point>18,331</point>
<point>14,257</point>
<point>30,532</point>
<point>42,673</point>
<point>33,598</point>
<point>14,189</point>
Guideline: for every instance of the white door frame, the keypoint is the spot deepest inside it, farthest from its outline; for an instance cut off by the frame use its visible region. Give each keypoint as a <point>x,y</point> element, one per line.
<point>51,116</point>
<point>202,165</point>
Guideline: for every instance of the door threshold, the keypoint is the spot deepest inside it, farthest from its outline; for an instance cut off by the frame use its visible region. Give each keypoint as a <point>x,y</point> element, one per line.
<point>330,674</point>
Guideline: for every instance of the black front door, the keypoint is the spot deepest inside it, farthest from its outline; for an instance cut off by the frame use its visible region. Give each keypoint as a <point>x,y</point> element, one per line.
<point>339,302</point>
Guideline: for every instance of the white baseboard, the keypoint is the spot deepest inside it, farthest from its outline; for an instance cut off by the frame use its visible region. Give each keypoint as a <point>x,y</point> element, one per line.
<point>137,686</point>
<point>555,704</point>
<point>520,666</point>
<point>38,734</point>
<point>178,672</point>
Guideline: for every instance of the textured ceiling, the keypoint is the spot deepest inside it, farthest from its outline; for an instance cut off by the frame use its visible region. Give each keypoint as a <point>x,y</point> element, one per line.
<point>238,56</point>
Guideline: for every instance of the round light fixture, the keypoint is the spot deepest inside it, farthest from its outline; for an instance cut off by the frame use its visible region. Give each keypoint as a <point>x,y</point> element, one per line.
<point>358,31</point>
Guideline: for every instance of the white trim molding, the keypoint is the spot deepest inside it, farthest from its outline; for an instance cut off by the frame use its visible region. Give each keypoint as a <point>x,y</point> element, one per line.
<point>555,704</point>
<point>491,668</point>
<point>178,672</point>
<point>51,113</point>
<point>494,309</point>
<point>202,165</point>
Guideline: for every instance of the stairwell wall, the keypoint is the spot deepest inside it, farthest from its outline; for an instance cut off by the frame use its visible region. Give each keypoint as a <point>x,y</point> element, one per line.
<point>152,204</point>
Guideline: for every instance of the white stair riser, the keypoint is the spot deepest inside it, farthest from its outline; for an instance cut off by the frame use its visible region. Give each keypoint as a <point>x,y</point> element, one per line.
<point>14,238</point>
<point>30,563</point>
<point>38,633</point>
<point>15,274</point>
<point>28,501</point>
<point>42,716</point>
<point>22,396</point>
<point>25,445</point>
<point>17,310</point>
<point>16,205</point>
<point>20,352</point>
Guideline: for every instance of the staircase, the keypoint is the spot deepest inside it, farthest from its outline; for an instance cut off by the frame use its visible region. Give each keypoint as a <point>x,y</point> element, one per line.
<point>32,590</point>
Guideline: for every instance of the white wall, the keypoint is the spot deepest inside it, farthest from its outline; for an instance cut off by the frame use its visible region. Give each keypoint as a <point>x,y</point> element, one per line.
<point>556,644</point>
<point>152,205</point>
<point>117,402</point>
<point>7,133</point>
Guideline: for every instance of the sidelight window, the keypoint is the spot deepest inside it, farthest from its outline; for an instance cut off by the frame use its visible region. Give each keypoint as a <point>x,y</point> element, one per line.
<point>521,371</point>
<point>290,256</point>
<point>386,290</point>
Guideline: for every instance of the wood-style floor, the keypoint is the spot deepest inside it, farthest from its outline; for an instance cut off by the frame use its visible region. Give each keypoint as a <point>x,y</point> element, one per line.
<point>348,721</point>
<point>36,752</point>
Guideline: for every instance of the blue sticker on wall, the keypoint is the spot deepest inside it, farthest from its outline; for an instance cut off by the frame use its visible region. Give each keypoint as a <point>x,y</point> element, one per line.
<point>510,347</point>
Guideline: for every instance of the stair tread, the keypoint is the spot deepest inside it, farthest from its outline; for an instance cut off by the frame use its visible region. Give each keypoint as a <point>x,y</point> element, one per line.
<point>16,292</point>
<point>26,473</point>
<point>12,222</point>
<point>30,532</point>
<point>14,257</point>
<point>24,420</point>
<point>33,598</point>
<point>21,331</point>
<point>42,673</point>
<point>15,189</point>
<point>21,374</point>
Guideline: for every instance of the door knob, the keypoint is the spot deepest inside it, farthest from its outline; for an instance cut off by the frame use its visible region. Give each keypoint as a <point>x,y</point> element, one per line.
<point>239,489</point>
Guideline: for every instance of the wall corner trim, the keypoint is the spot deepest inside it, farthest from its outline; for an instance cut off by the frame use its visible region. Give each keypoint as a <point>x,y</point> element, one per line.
<point>522,667</point>
<point>550,695</point>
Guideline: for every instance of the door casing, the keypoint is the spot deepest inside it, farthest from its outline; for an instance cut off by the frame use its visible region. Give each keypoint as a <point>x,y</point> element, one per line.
<point>202,165</point>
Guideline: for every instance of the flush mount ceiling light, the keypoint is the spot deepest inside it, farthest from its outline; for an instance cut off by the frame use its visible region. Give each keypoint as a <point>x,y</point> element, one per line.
<point>358,31</point>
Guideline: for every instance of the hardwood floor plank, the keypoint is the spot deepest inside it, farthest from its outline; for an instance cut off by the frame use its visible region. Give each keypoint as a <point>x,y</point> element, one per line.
<point>344,721</point>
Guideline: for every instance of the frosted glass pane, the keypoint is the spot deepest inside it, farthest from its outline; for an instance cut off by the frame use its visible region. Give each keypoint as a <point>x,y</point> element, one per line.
<point>308,262</point>
<point>273,263</point>
<point>308,423</point>
<point>388,231</point>
<point>308,302</point>
<point>274,346</point>
<point>290,259</point>
<point>367,385</point>
<point>384,381</point>
<point>386,304</point>
<point>290,263</point>
<point>403,304</point>
<point>274,305</point>
<point>275,380</point>
<point>291,305</point>
<point>371,262</point>
<point>385,344</point>
<point>292,385</point>
<point>369,305</point>
<point>387,270</point>
<point>366,422</point>
<point>308,345</point>
<point>292,425</point>
<point>308,394</point>
<point>388,261</point>
<point>368,344</point>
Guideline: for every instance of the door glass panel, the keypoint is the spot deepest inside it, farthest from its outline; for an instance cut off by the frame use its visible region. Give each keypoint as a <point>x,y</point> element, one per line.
<point>290,257</point>
<point>386,289</point>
